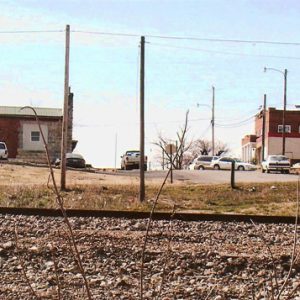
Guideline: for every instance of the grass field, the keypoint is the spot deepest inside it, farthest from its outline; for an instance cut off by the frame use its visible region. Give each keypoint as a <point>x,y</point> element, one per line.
<point>264,199</point>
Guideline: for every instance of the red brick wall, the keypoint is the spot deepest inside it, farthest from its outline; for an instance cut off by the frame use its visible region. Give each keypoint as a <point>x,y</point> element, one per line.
<point>291,118</point>
<point>9,129</point>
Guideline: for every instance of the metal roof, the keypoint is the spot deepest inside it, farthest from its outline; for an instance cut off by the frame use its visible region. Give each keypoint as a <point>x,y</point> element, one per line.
<point>41,111</point>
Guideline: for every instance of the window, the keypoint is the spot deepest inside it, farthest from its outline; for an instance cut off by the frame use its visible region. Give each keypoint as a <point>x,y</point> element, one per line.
<point>226,159</point>
<point>35,136</point>
<point>287,128</point>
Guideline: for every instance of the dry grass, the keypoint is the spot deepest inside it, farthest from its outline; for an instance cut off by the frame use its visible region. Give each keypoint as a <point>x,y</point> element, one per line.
<point>247,199</point>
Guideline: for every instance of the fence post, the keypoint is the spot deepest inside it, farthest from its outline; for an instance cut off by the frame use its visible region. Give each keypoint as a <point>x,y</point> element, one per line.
<point>232,174</point>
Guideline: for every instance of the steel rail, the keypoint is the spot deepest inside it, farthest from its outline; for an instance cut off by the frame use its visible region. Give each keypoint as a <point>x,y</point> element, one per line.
<point>183,216</point>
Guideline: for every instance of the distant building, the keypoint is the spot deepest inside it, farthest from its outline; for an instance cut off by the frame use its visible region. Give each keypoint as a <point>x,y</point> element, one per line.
<point>20,131</point>
<point>273,134</point>
<point>249,148</point>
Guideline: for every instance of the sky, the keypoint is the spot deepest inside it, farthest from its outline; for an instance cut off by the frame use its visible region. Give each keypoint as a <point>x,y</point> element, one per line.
<point>183,61</point>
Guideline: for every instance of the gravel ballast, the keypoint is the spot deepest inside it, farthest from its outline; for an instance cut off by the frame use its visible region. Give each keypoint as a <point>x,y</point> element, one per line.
<point>206,260</point>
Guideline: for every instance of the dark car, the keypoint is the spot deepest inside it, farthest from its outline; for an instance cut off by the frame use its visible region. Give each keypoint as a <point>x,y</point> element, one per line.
<point>73,160</point>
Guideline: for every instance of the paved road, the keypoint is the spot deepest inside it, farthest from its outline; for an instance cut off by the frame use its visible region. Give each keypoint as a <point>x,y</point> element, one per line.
<point>213,176</point>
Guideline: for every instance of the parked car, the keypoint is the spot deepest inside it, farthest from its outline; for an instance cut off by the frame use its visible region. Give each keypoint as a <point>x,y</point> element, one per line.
<point>225,163</point>
<point>73,160</point>
<point>131,160</point>
<point>203,162</point>
<point>3,151</point>
<point>276,163</point>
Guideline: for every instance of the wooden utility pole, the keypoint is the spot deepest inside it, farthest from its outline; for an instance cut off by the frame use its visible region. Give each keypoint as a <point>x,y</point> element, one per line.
<point>65,113</point>
<point>213,121</point>
<point>264,128</point>
<point>283,113</point>
<point>116,146</point>
<point>142,121</point>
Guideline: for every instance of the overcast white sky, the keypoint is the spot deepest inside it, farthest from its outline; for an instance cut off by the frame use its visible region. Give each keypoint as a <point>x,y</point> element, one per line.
<point>179,73</point>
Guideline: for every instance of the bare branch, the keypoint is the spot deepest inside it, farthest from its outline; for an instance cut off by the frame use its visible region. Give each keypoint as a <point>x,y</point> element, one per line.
<point>274,275</point>
<point>151,216</point>
<point>167,252</point>
<point>34,294</point>
<point>56,272</point>
<point>61,206</point>
<point>294,245</point>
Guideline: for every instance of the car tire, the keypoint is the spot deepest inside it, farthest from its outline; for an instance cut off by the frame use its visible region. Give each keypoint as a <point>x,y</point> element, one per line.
<point>201,168</point>
<point>268,171</point>
<point>241,168</point>
<point>262,170</point>
<point>216,167</point>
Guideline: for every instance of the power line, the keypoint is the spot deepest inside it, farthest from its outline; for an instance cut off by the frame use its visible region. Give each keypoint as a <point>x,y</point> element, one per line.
<point>225,40</point>
<point>30,31</point>
<point>107,33</point>
<point>190,38</point>
<point>223,52</point>
<point>236,124</point>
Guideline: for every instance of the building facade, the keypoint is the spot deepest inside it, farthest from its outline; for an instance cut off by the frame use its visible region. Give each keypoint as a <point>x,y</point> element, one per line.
<point>20,131</point>
<point>273,135</point>
<point>249,148</point>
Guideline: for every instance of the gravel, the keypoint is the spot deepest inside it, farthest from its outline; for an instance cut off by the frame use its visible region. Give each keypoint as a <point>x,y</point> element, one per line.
<point>207,260</point>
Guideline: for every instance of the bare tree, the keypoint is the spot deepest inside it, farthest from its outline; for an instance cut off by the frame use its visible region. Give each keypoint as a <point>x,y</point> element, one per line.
<point>182,151</point>
<point>221,148</point>
<point>203,147</point>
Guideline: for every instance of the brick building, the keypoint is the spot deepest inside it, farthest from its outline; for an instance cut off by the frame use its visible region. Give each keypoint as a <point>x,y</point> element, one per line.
<point>249,148</point>
<point>20,131</point>
<point>273,134</point>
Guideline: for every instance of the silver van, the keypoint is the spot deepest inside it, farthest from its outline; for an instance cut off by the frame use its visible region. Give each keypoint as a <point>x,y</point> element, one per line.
<point>203,162</point>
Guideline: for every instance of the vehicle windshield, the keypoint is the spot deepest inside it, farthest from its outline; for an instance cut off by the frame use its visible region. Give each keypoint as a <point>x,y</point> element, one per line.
<point>129,153</point>
<point>278,157</point>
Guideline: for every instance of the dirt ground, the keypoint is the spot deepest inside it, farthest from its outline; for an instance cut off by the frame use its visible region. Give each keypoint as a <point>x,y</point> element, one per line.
<point>28,175</point>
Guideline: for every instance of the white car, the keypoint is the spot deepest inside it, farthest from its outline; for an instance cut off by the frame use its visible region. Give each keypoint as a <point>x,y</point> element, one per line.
<point>3,151</point>
<point>225,163</point>
<point>276,163</point>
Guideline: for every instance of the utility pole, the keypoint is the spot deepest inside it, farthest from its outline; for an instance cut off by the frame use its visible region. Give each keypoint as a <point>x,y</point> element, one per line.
<point>142,121</point>
<point>284,104</point>
<point>283,113</point>
<point>65,112</point>
<point>213,121</point>
<point>264,128</point>
<point>116,145</point>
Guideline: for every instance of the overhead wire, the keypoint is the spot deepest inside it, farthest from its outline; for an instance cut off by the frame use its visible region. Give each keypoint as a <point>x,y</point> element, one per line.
<point>30,31</point>
<point>223,52</point>
<point>236,124</point>
<point>190,38</point>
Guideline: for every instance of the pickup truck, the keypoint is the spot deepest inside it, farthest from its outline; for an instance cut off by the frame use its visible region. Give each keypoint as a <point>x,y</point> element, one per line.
<point>276,163</point>
<point>131,160</point>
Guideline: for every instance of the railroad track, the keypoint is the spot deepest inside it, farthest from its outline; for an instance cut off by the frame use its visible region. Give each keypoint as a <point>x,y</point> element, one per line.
<point>183,216</point>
